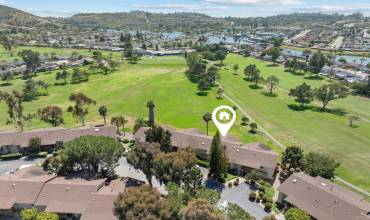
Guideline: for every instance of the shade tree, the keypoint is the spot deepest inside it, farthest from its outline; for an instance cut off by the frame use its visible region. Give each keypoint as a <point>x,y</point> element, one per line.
<point>321,164</point>
<point>251,70</point>
<point>97,155</point>
<point>62,75</point>
<point>81,106</point>
<point>51,114</point>
<point>272,82</point>
<point>329,92</point>
<point>293,159</point>
<point>201,209</point>
<point>32,60</point>
<point>172,167</point>
<point>143,202</point>
<point>157,134</point>
<point>303,94</point>
<point>142,158</point>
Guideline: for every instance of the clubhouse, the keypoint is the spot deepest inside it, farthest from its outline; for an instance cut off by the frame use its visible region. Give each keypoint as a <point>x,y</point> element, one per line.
<point>69,197</point>
<point>242,157</point>
<point>322,199</point>
<point>51,139</point>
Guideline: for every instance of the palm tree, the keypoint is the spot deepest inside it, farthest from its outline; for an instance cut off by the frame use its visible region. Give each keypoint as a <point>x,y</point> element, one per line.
<point>103,111</point>
<point>207,117</point>
<point>150,105</point>
<point>119,121</point>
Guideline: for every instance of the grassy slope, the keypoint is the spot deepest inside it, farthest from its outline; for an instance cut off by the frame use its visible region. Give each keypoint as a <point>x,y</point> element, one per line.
<point>126,92</point>
<point>312,130</point>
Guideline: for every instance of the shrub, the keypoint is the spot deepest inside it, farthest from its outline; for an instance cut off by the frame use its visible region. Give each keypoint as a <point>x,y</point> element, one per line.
<point>269,200</point>
<point>261,193</point>
<point>270,217</point>
<point>264,198</point>
<point>202,163</point>
<point>295,213</point>
<point>14,156</point>
<point>236,182</point>
<point>261,188</point>
<point>132,141</point>
<point>252,196</point>
<point>258,198</point>
<point>230,184</point>
<point>125,141</point>
<point>38,155</point>
<point>268,206</point>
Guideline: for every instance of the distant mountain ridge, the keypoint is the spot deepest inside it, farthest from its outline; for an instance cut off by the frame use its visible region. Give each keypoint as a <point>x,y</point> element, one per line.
<point>145,20</point>
<point>12,16</point>
<point>162,22</point>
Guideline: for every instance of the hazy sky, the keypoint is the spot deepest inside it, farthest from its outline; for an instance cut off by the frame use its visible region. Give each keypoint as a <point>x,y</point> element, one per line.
<point>240,8</point>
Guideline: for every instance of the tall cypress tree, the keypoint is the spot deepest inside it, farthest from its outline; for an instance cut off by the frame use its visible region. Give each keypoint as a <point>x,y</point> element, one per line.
<point>218,159</point>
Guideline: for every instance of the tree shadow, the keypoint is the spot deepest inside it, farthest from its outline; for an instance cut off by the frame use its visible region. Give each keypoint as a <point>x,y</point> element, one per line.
<point>253,131</point>
<point>212,184</point>
<point>245,79</point>
<point>60,84</point>
<point>27,77</point>
<point>255,87</point>
<point>335,111</point>
<point>79,81</point>
<point>272,65</point>
<point>191,77</point>
<point>298,108</point>
<point>202,93</point>
<point>267,94</point>
<point>314,77</point>
<point>6,84</point>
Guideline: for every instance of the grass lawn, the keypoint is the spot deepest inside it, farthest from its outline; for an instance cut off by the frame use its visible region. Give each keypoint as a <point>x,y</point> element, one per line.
<point>310,129</point>
<point>127,91</point>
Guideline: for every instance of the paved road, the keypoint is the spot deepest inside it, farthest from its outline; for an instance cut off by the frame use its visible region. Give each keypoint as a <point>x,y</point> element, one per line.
<point>239,195</point>
<point>272,138</point>
<point>5,166</point>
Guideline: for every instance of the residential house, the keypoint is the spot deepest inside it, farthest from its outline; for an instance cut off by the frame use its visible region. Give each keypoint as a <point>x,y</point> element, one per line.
<point>14,142</point>
<point>69,197</point>
<point>242,157</point>
<point>322,199</point>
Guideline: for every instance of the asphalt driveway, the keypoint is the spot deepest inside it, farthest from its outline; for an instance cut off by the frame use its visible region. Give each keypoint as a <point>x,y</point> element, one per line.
<point>239,195</point>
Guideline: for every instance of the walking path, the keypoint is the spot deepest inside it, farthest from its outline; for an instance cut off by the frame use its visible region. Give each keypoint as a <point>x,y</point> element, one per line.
<point>273,139</point>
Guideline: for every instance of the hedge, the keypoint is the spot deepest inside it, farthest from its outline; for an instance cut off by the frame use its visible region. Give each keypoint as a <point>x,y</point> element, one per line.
<point>38,155</point>
<point>202,163</point>
<point>11,156</point>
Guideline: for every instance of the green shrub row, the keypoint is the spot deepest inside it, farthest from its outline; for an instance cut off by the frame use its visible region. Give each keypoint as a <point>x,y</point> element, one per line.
<point>11,156</point>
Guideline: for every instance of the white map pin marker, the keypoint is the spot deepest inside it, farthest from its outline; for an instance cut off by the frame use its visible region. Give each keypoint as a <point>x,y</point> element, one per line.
<point>224,117</point>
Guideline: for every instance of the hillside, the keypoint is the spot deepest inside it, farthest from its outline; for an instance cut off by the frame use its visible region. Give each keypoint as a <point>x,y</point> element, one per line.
<point>295,18</point>
<point>139,20</point>
<point>14,17</point>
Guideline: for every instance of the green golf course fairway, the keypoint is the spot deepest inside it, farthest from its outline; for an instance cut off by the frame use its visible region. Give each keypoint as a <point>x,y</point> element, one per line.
<point>127,90</point>
<point>312,130</point>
